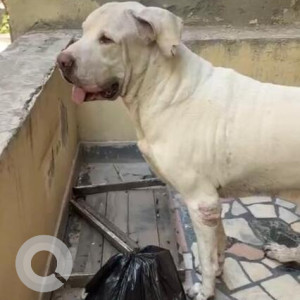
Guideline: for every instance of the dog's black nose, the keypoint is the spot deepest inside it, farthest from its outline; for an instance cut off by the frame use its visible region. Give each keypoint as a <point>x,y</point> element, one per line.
<point>65,61</point>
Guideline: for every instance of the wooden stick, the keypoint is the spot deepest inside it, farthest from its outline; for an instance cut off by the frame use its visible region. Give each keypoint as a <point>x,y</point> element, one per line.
<point>112,187</point>
<point>109,230</point>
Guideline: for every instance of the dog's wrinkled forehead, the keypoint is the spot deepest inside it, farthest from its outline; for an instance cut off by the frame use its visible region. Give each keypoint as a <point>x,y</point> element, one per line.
<point>111,16</point>
<point>120,20</point>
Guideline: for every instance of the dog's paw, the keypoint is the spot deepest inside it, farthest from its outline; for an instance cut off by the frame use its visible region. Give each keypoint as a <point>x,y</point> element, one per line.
<point>195,293</point>
<point>277,252</point>
<point>194,290</point>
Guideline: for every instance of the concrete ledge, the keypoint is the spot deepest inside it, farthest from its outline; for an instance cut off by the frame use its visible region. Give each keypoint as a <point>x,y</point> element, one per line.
<point>196,34</point>
<point>25,66</point>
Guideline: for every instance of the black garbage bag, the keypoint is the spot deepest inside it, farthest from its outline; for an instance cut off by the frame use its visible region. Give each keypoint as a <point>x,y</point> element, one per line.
<point>149,274</point>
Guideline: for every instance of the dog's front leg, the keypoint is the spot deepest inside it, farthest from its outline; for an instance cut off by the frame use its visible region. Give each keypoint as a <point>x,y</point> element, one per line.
<point>205,212</point>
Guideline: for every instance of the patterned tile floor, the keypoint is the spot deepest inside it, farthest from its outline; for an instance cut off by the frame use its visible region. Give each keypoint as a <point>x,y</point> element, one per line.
<point>249,224</point>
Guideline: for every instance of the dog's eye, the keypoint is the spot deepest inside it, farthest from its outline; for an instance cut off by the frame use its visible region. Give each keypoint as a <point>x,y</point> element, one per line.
<point>105,40</point>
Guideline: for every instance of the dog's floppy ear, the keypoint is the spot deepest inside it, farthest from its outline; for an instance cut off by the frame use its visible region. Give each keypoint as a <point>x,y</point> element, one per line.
<point>160,25</point>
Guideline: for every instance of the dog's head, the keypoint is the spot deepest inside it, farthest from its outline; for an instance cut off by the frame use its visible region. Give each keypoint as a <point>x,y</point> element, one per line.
<point>116,37</point>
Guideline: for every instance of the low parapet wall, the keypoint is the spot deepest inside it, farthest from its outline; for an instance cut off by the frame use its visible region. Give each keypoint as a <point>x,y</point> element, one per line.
<point>38,140</point>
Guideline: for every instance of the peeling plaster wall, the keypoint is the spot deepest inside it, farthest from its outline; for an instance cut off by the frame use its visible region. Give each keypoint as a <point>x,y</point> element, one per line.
<point>34,170</point>
<point>267,55</point>
<point>30,14</point>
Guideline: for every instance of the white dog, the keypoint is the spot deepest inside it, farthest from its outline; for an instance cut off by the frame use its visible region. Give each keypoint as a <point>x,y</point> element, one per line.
<point>207,131</point>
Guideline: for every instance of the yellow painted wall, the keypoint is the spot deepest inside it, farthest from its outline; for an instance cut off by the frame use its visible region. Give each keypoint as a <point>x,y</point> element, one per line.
<point>25,15</point>
<point>277,62</point>
<point>34,170</point>
<point>104,121</point>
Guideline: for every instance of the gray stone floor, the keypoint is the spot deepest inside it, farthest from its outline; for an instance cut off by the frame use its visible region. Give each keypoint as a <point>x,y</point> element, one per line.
<point>249,224</point>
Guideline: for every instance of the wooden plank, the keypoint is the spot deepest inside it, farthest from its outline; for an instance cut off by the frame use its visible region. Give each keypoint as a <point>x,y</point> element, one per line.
<point>98,202</point>
<point>77,280</point>
<point>102,188</point>
<point>82,247</point>
<point>72,236</point>
<point>97,173</point>
<point>134,171</point>
<point>142,218</point>
<point>166,230</point>
<point>117,213</point>
<point>89,238</point>
<point>103,173</point>
<point>107,228</point>
<point>67,293</point>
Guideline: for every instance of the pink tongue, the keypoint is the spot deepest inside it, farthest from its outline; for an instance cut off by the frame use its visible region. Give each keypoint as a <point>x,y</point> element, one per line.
<point>78,94</point>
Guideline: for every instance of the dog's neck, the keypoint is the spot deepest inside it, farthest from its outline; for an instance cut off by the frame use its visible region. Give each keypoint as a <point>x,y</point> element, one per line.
<point>160,82</point>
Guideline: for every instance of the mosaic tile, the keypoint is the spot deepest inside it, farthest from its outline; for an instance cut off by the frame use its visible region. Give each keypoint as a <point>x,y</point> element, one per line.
<point>255,199</point>
<point>256,271</point>
<point>238,228</point>
<point>256,293</point>
<point>199,276</point>
<point>237,209</point>
<point>220,296</point>
<point>270,263</point>
<point>296,227</point>
<point>297,210</point>
<point>225,209</point>
<point>243,250</point>
<point>233,275</point>
<point>285,203</point>
<point>245,265</point>
<point>274,231</point>
<point>283,288</point>
<point>287,216</point>
<point>227,200</point>
<point>194,249</point>
<point>262,210</point>
<point>188,260</point>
